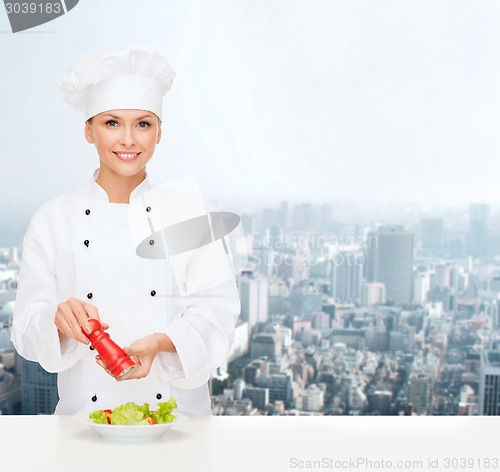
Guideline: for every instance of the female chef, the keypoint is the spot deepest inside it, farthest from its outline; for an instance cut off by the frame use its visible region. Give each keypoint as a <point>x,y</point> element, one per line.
<point>174,316</point>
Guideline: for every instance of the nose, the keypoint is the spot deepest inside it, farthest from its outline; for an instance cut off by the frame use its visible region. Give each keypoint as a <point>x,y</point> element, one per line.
<point>128,136</point>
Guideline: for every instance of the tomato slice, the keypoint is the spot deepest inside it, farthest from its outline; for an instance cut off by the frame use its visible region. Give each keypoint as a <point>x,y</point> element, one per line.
<point>107,413</point>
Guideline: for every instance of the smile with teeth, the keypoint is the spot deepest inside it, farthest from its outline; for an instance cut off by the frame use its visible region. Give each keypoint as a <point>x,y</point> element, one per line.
<point>126,156</point>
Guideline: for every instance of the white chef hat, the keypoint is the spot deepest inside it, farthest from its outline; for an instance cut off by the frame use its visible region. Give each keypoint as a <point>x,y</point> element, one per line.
<point>133,77</point>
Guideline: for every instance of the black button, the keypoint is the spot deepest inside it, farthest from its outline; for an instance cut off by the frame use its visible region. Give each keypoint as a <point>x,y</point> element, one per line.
<point>158,396</point>
<point>153,293</point>
<point>94,398</point>
<point>89,295</point>
<point>148,209</point>
<point>86,242</point>
<point>151,242</point>
<point>87,211</point>
<point>91,348</point>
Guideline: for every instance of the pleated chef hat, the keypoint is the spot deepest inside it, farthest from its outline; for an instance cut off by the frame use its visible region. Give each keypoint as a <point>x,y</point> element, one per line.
<point>133,77</point>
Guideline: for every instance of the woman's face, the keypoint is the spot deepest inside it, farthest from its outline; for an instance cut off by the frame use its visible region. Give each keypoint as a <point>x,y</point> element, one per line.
<point>125,139</point>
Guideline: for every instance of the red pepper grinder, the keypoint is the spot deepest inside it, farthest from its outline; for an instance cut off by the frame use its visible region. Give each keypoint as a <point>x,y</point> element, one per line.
<point>112,355</point>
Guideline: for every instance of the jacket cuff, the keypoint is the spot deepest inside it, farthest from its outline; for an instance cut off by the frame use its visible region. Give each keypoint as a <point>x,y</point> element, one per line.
<point>192,355</point>
<point>171,367</point>
<point>50,354</point>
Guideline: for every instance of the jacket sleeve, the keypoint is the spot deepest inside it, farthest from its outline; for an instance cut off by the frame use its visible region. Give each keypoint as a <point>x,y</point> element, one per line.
<point>34,333</point>
<point>211,305</point>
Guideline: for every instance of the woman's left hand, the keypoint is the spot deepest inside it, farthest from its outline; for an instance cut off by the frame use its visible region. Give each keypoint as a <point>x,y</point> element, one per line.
<point>142,352</point>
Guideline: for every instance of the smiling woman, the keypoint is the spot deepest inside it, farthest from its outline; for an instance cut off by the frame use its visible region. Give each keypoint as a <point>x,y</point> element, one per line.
<point>80,259</point>
<point>125,141</point>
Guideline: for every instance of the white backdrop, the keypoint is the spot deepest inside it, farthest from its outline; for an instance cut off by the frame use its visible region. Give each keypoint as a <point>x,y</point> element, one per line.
<point>305,100</point>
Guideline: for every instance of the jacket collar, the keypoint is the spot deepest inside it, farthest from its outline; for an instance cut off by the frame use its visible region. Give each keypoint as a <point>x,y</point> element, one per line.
<point>98,192</point>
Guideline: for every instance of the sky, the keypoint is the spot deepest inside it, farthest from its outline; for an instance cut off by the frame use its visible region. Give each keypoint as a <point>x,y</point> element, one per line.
<point>274,100</point>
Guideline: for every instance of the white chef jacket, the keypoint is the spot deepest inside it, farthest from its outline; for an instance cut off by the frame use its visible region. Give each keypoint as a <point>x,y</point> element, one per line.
<point>80,245</point>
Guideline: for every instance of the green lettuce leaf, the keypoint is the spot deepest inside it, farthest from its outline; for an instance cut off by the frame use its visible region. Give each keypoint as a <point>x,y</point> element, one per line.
<point>130,413</point>
<point>99,417</point>
<point>133,414</point>
<point>164,412</point>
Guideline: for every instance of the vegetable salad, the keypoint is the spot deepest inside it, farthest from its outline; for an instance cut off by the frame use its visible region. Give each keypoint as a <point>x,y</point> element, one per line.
<point>133,414</point>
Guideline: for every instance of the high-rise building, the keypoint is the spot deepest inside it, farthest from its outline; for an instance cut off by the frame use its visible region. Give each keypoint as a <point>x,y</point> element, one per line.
<point>489,384</point>
<point>312,399</point>
<point>259,396</point>
<point>304,301</point>
<point>38,389</point>
<point>282,216</point>
<point>419,392</point>
<point>478,229</point>
<point>442,275</point>
<point>432,234</point>
<point>402,340</point>
<point>379,402</point>
<point>265,345</point>
<point>280,387</point>
<point>373,294</point>
<point>302,217</point>
<point>240,344</point>
<point>253,295</point>
<point>347,275</point>
<point>390,261</point>
<point>10,392</point>
<point>421,285</point>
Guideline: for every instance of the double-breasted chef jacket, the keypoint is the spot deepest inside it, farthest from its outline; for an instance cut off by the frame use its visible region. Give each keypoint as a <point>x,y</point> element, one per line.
<point>81,245</point>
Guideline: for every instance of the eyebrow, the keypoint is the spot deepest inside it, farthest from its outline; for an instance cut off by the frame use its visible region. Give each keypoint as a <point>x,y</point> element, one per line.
<point>120,118</point>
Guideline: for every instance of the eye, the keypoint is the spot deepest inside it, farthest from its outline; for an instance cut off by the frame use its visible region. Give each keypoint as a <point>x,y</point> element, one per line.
<point>111,123</point>
<point>144,124</point>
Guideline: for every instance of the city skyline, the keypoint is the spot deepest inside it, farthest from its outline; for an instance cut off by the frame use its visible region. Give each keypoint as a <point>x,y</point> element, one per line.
<point>342,319</point>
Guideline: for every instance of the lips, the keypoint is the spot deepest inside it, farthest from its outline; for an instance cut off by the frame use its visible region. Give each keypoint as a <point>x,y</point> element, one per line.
<point>126,156</point>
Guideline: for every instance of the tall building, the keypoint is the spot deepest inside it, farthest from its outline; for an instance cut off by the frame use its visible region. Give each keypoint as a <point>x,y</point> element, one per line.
<point>421,285</point>
<point>282,216</point>
<point>478,229</point>
<point>373,294</point>
<point>390,261</point>
<point>240,344</point>
<point>253,296</point>
<point>304,301</point>
<point>259,396</point>
<point>419,392</point>
<point>432,234</point>
<point>489,384</point>
<point>442,274</point>
<point>10,392</point>
<point>379,402</point>
<point>280,387</point>
<point>347,275</point>
<point>302,216</point>
<point>312,399</point>
<point>265,345</point>
<point>38,389</point>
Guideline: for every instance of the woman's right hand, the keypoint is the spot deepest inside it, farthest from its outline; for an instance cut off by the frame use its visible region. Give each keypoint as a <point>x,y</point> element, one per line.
<point>72,316</point>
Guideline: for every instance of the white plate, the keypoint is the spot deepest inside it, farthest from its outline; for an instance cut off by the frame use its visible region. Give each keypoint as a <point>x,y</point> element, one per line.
<point>129,432</point>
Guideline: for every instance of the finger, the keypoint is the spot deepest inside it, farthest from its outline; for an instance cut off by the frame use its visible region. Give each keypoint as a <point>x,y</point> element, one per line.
<point>63,326</point>
<point>72,321</point>
<point>93,312</point>
<point>136,349</point>
<point>138,373</point>
<point>81,315</point>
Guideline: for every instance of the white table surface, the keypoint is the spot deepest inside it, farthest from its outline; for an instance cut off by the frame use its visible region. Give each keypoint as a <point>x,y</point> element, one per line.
<point>257,444</point>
